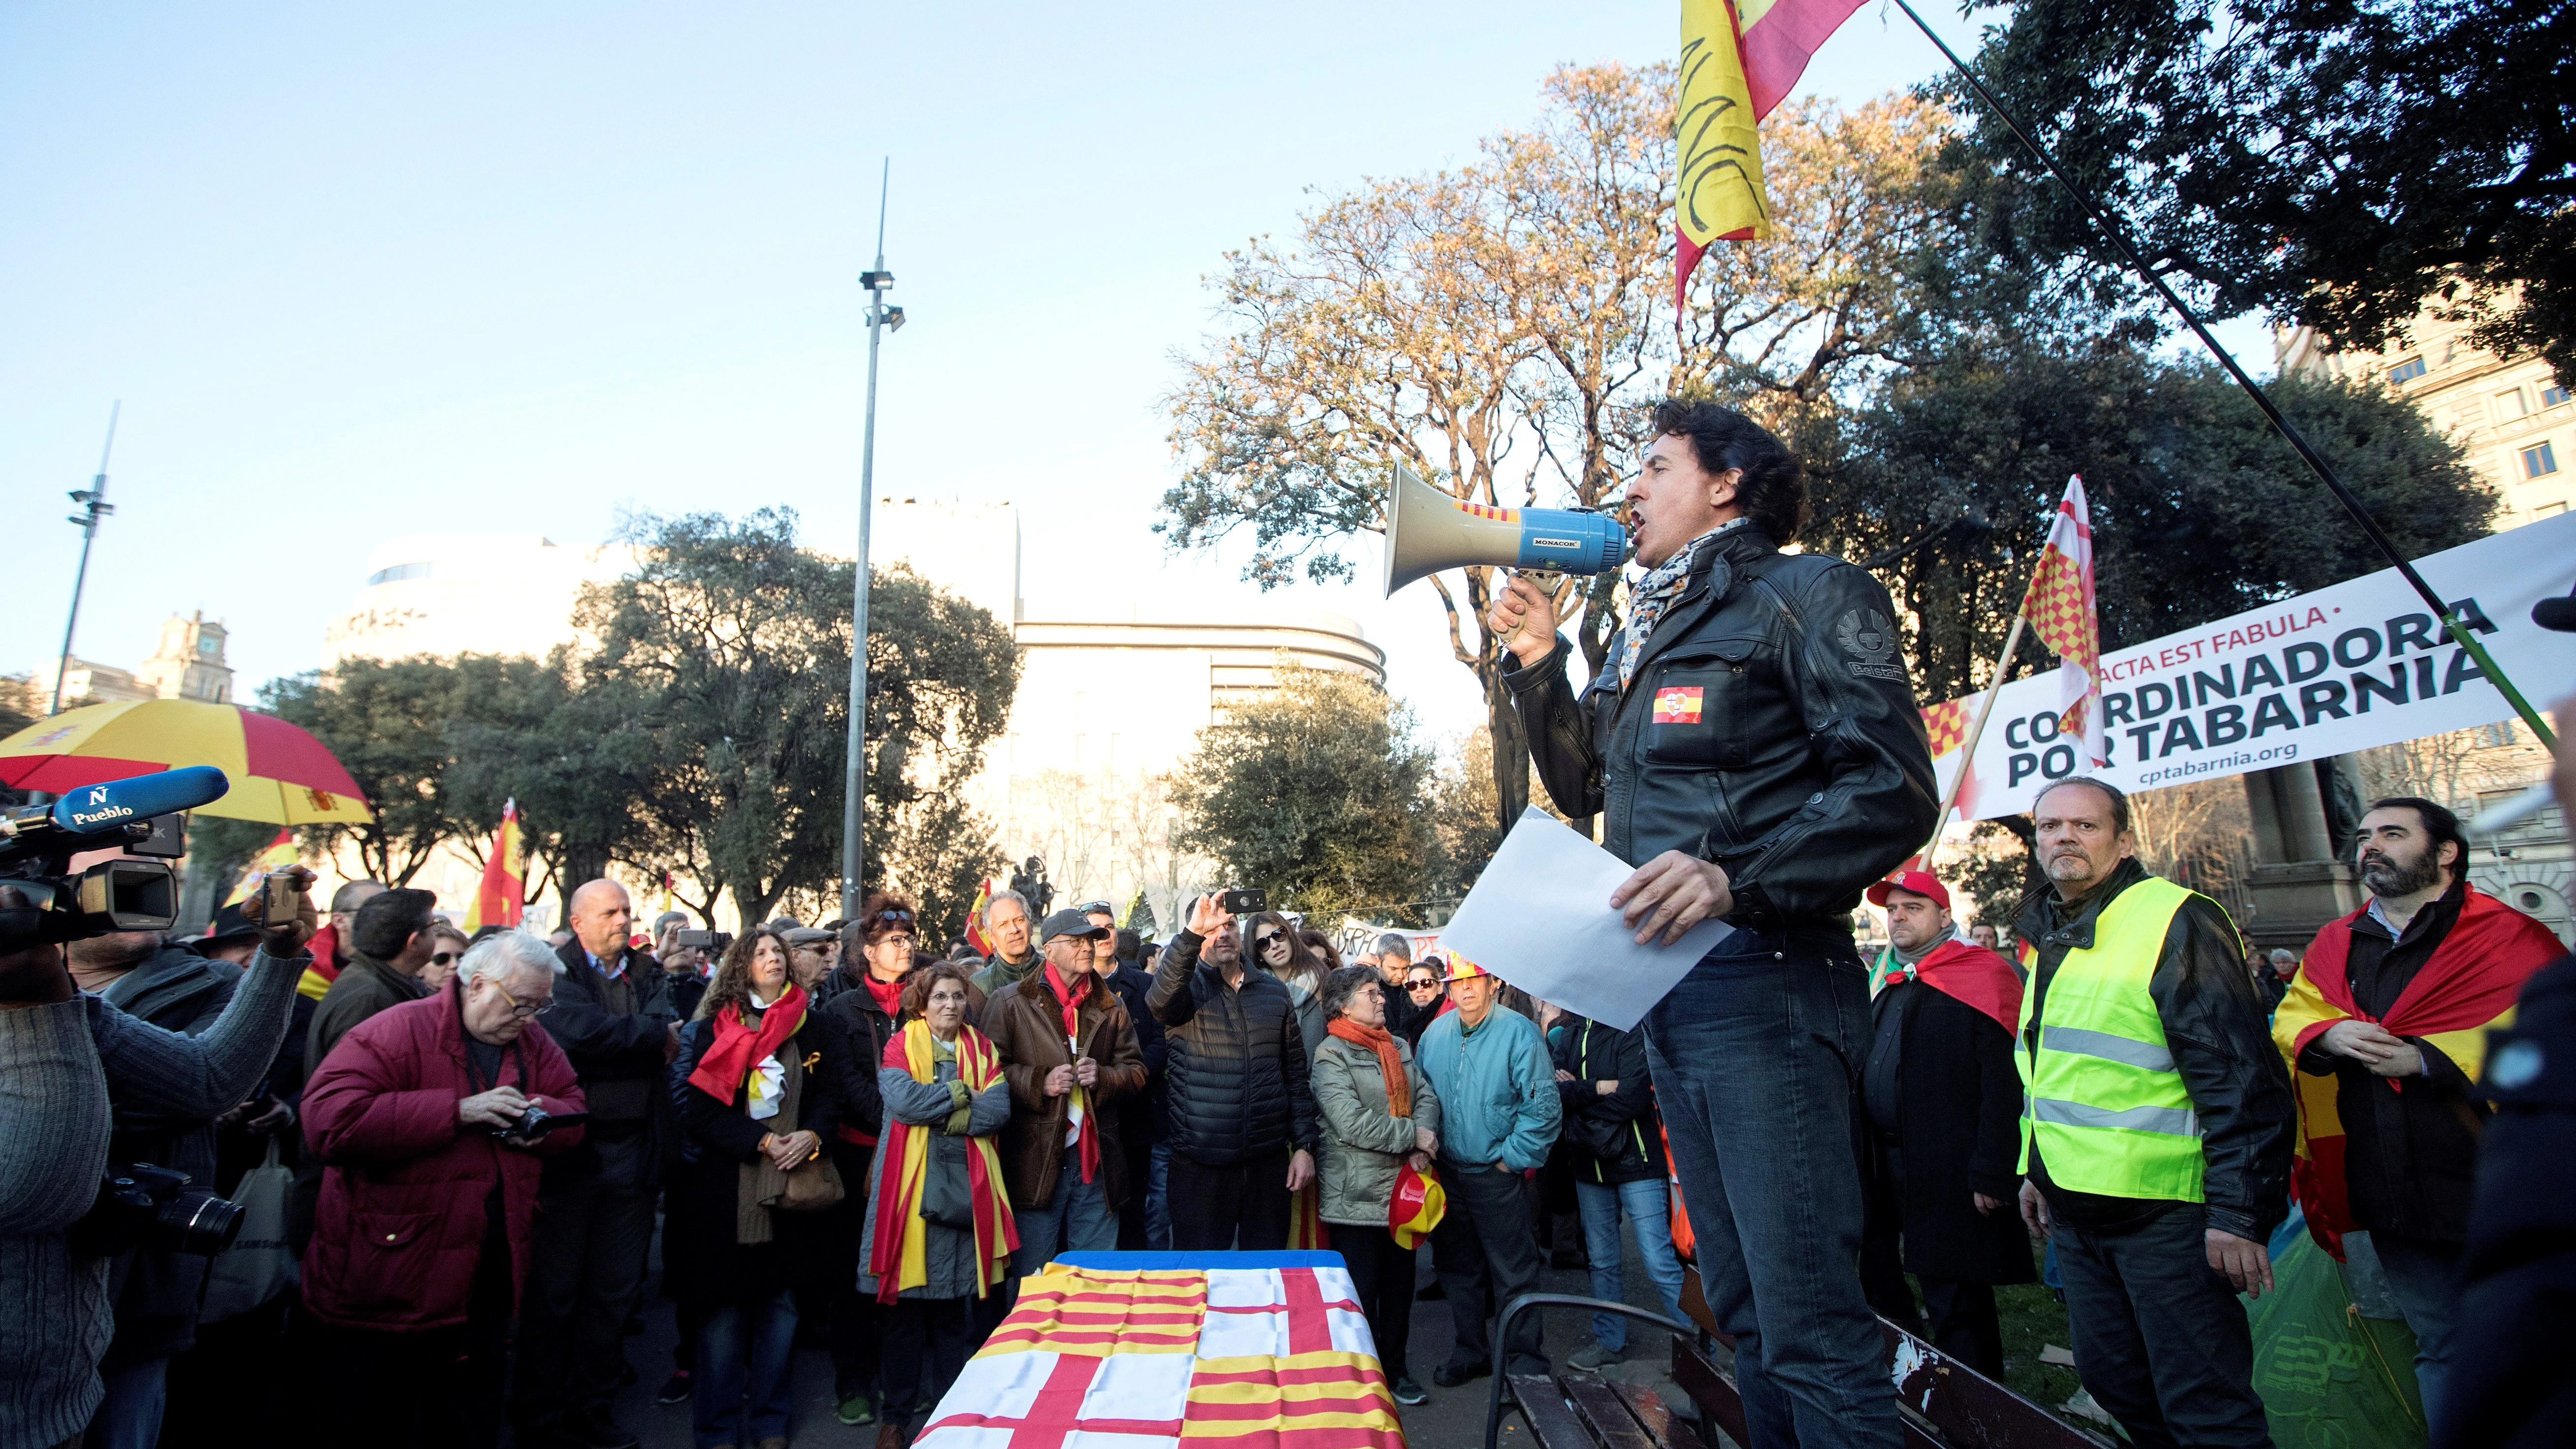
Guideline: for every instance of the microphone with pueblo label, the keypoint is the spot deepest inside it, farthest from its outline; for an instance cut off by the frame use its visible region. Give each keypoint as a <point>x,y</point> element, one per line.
<point>43,900</point>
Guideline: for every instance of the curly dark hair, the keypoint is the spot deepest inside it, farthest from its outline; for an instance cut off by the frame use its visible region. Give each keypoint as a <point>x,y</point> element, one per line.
<point>1773,490</point>
<point>884,914</point>
<point>730,982</point>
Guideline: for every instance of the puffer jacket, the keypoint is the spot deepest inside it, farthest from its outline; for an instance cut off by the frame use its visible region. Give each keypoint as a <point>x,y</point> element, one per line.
<point>402,1221</point>
<point>1615,1135</point>
<point>1771,729</point>
<point>1235,1068</point>
<point>1025,1023</point>
<point>1364,1142</point>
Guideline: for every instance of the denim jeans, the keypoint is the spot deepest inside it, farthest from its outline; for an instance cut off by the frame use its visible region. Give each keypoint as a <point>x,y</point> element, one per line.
<point>741,1392</point>
<point>2161,1339</point>
<point>130,1416</point>
<point>1078,1220</point>
<point>2425,1275</point>
<point>1647,1204</point>
<point>1757,1056</point>
<point>1158,1201</point>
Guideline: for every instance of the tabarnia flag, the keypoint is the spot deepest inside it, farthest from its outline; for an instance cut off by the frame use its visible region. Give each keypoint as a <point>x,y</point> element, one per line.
<point>2059,607</point>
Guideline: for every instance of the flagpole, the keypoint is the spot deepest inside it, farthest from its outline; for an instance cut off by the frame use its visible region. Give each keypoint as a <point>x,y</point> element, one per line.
<point>1976,730</point>
<point>854,765</point>
<point>2118,237</point>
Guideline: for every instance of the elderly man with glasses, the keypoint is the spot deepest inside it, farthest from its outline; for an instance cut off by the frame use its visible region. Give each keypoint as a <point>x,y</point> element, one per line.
<point>431,1119</point>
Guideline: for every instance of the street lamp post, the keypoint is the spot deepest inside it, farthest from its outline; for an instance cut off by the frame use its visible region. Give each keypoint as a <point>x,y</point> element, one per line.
<point>881,319</point>
<point>94,506</point>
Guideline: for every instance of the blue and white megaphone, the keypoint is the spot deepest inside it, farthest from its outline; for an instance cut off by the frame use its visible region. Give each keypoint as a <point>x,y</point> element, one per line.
<point>1427,531</point>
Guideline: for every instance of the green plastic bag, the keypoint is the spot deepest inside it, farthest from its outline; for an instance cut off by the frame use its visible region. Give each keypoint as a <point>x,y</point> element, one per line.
<point>2330,1378</point>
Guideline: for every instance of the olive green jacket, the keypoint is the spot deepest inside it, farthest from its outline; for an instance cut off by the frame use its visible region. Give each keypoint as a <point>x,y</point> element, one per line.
<point>1364,1144</point>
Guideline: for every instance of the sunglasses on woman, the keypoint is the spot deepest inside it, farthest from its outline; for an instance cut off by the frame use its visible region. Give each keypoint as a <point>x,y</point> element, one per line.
<point>443,958</point>
<point>1418,987</point>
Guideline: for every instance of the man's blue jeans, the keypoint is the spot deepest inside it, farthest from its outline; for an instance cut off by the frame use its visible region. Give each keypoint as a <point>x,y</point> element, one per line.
<point>742,1391</point>
<point>1647,1204</point>
<point>2425,1275</point>
<point>1078,1220</point>
<point>1158,1205</point>
<point>1757,1057</point>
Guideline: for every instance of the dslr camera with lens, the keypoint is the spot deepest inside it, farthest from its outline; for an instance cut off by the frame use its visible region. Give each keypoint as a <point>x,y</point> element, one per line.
<point>143,1206</point>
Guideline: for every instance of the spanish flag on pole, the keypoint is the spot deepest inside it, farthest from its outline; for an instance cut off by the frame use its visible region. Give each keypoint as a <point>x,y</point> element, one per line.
<point>976,940</point>
<point>1739,59</point>
<point>503,894</point>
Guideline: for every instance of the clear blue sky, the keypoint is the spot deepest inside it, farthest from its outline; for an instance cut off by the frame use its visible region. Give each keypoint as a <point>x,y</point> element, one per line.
<point>358,272</point>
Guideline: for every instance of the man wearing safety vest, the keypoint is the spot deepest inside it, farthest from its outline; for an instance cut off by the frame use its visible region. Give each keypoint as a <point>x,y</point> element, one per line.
<point>2386,1027</point>
<point>2156,1134</point>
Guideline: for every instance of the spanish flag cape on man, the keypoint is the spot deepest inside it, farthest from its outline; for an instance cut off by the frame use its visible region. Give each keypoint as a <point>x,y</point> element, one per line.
<point>2466,990</point>
<point>898,1255</point>
<point>1968,974</point>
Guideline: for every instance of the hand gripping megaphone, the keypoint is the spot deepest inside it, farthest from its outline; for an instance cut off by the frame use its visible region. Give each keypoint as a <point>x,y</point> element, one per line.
<point>1427,531</point>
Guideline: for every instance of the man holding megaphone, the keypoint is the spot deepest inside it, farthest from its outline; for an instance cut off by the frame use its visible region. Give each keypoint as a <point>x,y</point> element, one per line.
<point>1754,741</point>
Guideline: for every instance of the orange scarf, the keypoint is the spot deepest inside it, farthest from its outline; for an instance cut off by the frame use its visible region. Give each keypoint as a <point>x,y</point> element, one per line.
<point>1399,1093</point>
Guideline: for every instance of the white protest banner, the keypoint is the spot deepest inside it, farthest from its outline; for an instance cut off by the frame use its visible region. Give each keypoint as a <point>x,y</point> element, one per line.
<point>2360,664</point>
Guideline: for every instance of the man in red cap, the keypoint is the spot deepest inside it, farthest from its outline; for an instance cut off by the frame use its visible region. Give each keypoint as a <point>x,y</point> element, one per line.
<point>1942,1100</point>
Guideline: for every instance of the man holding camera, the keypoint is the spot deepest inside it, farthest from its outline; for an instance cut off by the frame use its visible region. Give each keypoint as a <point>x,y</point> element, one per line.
<point>431,1120</point>
<point>1754,742</point>
<point>68,1059</point>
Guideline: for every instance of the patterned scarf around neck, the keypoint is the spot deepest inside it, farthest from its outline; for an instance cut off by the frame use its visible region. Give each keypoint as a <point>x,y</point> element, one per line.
<point>1655,593</point>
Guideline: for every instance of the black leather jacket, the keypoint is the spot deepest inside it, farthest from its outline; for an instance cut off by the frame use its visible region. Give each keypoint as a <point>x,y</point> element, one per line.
<point>1788,748</point>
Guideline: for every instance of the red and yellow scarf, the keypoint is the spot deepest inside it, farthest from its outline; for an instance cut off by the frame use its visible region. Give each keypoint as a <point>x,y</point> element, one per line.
<point>725,1067</point>
<point>898,1253</point>
<point>2463,992</point>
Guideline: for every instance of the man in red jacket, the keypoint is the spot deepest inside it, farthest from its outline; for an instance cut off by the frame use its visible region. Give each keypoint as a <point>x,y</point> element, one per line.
<point>430,1118</point>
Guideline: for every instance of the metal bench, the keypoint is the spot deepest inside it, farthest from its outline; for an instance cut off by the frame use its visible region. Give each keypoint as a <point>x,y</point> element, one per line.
<point>1943,1405</point>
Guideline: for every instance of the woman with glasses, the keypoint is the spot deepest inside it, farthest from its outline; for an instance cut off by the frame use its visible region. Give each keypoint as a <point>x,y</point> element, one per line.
<point>1428,989</point>
<point>446,948</point>
<point>1274,946</point>
<point>752,1111</point>
<point>939,1226</point>
<point>1378,1113</point>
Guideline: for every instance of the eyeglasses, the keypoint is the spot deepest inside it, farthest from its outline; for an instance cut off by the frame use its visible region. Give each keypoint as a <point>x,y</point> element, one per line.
<point>895,913</point>
<point>442,958</point>
<point>1266,940</point>
<point>520,1010</point>
<point>1422,986</point>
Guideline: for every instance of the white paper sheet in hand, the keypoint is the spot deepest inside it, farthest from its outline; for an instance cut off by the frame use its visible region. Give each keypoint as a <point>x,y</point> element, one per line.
<point>1540,918</point>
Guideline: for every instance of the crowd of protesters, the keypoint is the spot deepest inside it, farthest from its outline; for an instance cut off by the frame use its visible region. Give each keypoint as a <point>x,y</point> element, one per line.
<point>847,1141</point>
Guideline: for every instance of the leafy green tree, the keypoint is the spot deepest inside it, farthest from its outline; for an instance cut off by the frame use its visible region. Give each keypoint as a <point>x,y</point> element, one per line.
<point>393,725</point>
<point>728,653</point>
<point>570,752</point>
<point>2336,161</point>
<point>1947,479</point>
<point>1315,793</point>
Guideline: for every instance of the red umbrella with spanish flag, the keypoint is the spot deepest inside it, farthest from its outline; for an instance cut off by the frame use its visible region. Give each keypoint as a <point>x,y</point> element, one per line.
<point>279,773</point>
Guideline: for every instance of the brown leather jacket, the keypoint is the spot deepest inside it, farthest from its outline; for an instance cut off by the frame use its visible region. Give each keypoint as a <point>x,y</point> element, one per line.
<point>1026,1024</point>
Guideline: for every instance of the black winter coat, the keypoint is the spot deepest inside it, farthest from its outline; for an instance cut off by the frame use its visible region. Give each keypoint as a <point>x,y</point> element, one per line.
<point>1958,1134</point>
<point>1141,1121</point>
<point>1613,1138</point>
<point>1793,754</point>
<point>702,1265</point>
<point>1234,1074</point>
<point>610,1050</point>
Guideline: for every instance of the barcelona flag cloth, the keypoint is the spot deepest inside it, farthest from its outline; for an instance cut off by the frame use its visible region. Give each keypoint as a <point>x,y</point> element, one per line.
<point>1269,1350</point>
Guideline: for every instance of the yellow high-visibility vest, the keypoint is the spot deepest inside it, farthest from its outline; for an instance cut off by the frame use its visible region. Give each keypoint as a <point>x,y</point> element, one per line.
<point>2101,1095</point>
